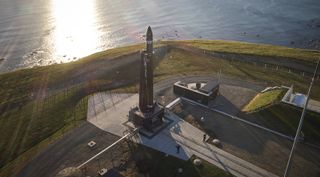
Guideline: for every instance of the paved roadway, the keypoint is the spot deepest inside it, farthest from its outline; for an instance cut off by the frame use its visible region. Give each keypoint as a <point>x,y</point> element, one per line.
<point>68,151</point>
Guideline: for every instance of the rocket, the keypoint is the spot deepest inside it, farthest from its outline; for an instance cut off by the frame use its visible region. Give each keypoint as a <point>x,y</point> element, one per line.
<point>146,103</point>
<point>149,41</point>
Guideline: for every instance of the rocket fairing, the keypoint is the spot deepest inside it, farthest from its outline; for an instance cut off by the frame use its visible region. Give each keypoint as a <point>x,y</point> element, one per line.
<point>146,75</point>
<point>149,41</point>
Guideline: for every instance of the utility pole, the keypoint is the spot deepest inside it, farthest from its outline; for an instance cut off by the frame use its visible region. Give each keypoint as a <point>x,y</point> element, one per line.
<point>286,173</point>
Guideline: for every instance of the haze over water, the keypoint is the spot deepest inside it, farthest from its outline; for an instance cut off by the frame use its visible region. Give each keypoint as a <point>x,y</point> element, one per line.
<point>42,32</point>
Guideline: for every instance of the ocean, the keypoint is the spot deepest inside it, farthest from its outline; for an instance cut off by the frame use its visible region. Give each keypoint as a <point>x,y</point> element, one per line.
<point>44,32</point>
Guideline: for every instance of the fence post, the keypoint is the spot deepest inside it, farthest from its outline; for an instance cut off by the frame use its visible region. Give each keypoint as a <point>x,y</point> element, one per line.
<point>84,171</point>
<point>99,163</point>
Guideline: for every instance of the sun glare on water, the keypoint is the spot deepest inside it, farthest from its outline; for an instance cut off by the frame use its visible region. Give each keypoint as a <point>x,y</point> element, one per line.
<point>76,34</point>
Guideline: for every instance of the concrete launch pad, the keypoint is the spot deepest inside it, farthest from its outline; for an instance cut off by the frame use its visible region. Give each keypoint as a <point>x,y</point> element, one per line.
<point>112,112</point>
<point>114,119</point>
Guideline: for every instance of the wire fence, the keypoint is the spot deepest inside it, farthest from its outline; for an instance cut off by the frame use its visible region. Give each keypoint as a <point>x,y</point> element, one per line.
<point>258,61</point>
<point>274,67</point>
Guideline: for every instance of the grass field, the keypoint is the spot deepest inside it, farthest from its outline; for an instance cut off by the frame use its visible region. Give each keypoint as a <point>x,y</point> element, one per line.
<point>262,100</point>
<point>40,103</point>
<point>31,126</point>
<point>253,49</point>
<point>180,62</point>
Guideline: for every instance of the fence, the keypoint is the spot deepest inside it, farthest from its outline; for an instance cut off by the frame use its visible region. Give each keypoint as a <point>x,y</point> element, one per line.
<point>289,65</point>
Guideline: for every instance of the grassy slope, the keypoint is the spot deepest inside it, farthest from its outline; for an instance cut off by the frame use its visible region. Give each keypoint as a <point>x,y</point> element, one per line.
<point>29,122</point>
<point>16,86</point>
<point>253,49</point>
<point>180,62</point>
<point>285,119</point>
<point>40,119</point>
<point>267,110</point>
<point>263,100</point>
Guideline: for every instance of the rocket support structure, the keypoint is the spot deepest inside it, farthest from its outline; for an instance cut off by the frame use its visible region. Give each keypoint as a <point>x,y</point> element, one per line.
<point>148,115</point>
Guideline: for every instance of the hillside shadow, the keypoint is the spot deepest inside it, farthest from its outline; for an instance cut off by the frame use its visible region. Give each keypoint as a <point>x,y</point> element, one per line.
<point>228,130</point>
<point>113,173</point>
<point>221,103</point>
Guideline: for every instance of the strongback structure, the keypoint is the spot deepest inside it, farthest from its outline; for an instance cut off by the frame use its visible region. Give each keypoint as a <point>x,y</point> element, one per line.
<point>148,114</point>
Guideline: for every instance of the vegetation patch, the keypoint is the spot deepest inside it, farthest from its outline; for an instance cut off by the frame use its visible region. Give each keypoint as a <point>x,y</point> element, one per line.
<point>180,62</point>
<point>39,121</point>
<point>168,166</point>
<point>262,100</point>
<point>253,49</point>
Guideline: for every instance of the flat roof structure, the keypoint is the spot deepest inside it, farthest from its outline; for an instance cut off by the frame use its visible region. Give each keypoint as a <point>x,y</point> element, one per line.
<point>185,86</point>
<point>209,86</point>
<point>206,92</point>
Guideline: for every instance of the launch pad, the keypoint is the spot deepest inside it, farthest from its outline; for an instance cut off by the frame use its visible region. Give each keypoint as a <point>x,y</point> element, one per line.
<point>148,115</point>
<point>147,120</point>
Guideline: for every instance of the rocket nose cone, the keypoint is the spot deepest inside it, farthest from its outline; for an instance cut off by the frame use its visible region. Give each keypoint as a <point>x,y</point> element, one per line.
<point>149,33</point>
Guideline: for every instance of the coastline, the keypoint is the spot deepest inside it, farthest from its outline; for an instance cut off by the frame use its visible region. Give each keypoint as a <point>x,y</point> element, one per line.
<point>222,46</point>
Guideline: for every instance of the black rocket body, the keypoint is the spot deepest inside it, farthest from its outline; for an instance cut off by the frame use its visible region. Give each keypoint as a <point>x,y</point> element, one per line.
<point>146,103</point>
